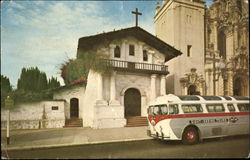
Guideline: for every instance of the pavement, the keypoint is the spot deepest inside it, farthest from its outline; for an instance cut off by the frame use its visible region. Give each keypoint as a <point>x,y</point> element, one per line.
<point>61,137</point>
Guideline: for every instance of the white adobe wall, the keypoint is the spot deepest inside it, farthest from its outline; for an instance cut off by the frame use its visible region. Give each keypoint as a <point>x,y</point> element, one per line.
<point>31,115</point>
<point>89,99</point>
<point>67,94</point>
<point>100,114</point>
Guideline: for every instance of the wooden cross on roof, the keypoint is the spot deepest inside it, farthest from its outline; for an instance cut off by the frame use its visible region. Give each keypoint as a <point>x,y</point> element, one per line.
<point>136,16</point>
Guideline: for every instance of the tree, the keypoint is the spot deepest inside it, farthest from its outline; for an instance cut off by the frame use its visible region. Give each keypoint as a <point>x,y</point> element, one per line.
<point>5,88</point>
<point>53,83</point>
<point>32,80</point>
<point>79,68</point>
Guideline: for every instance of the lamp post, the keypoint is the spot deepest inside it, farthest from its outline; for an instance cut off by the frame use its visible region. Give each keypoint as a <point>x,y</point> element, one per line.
<point>222,65</point>
<point>8,104</point>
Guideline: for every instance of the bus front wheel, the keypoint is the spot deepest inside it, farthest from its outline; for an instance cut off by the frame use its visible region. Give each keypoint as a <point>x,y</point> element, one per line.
<point>190,136</point>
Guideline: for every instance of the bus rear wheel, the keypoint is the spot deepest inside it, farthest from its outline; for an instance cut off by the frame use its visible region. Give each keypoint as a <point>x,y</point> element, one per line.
<point>190,136</point>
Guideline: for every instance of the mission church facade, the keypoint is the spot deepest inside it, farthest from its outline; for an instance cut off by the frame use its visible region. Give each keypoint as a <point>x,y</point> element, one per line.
<point>138,76</point>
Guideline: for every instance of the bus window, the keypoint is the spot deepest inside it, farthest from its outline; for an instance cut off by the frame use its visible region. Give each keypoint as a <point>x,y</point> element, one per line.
<point>151,110</point>
<point>173,109</point>
<point>191,108</point>
<point>156,110</point>
<point>164,109</point>
<point>215,108</point>
<point>231,107</point>
<point>243,107</point>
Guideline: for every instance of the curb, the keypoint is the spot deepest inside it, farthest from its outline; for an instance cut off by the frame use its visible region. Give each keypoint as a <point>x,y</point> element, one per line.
<point>70,144</point>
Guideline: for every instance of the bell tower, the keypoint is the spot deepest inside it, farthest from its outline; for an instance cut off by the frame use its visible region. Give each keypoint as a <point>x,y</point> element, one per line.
<point>180,23</point>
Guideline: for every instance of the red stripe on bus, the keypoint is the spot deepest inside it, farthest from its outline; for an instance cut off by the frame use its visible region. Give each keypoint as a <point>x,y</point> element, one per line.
<point>162,117</point>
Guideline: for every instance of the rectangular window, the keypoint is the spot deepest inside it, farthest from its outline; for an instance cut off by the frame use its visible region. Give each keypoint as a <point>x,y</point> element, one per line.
<point>131,50</point>
<point>173,109</point>
<point>189,50</point>
<point>54,107</point>
<point>243,107</point>
<point>117,52</point>
<point>164,109</point>
<point>191,108</point>
<point>231,107</point>
<point>215,108</point>
<point>145,55</point>
<point>156,110</point>
<point>151,110</point>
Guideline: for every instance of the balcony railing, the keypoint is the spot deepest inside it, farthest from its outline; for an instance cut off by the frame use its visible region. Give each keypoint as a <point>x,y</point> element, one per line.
<point>137,67</point>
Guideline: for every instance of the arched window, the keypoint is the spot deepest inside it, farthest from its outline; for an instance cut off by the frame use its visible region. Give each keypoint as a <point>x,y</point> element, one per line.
<point>117,52</point>
<point>145,55</point>
<point>222,44</point>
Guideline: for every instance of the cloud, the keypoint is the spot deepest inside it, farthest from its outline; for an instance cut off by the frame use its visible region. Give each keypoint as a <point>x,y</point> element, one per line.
<point>44,34</point>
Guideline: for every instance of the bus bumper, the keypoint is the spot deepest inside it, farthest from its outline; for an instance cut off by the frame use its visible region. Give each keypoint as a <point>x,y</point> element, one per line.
<point>157,135</point>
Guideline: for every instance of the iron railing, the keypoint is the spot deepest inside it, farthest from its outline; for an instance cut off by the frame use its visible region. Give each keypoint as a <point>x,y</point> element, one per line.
<point>136,66</point>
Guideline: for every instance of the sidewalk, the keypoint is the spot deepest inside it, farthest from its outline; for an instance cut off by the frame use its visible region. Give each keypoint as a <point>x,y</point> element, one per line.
<point>46,138</point>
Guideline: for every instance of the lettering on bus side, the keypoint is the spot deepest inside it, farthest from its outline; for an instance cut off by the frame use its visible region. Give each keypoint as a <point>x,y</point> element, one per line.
<point>202,121</point>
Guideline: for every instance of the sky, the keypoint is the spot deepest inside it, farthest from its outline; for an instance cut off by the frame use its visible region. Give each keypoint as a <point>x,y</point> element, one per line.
<point>45,33</point>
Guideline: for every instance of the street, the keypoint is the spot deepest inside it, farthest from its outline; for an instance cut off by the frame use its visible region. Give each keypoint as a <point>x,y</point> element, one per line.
<point>228,147</point>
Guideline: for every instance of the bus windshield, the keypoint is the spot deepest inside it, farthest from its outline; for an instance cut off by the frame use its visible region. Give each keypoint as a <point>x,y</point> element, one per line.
<point>158,110</point>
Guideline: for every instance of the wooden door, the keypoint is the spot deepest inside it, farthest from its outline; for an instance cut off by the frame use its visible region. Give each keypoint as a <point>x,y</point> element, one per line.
<point>132,103</point>
<point>74,108</point>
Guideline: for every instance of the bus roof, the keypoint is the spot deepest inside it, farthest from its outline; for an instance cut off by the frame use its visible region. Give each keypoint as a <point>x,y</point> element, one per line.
<point>197,98</point>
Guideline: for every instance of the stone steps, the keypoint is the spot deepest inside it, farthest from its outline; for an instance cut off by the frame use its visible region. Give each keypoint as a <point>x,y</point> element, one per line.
<point>73,122</point>
<point>136,121</point>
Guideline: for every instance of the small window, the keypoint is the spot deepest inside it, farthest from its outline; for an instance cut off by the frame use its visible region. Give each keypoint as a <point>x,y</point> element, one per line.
<point>189,98</point>
<point>156,110</point>
<point>243,107</point>
<point>173,109</point>
<point>151,110</point>
<point>231,107</point>
<point>145,55</point>
<point>189,50</point>
<point>131,50</point>
<point>215,108</point>
<point>117,52</point>
<point>54,107</point>
<point>191,108</point>
<point>164,109</point>
<point>211,98</point>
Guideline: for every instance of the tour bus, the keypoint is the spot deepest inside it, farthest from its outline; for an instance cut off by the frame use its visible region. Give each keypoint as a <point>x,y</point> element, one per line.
<point>193,118</point>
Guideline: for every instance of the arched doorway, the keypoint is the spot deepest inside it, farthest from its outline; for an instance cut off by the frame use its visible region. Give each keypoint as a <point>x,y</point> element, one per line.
<point>239,87</point>
<point>192,90</point>
<point>132,102</point>
<point>74,108</point>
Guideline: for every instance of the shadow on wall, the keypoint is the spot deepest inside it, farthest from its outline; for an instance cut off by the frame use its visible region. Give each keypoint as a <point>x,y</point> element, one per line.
<point>170,84</point>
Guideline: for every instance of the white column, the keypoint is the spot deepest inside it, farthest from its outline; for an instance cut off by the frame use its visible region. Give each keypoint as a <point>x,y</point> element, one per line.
<point>100,99</point>
<point>153,86</point>
<point>113,100</point>
<point>201,89</point>
<point>111,47</point>
<point>163,85</point>
<point>123,50</point>
<point>216,36</point>
<point>140,51</point>
<point>185,90</point>
<point>150,56</point>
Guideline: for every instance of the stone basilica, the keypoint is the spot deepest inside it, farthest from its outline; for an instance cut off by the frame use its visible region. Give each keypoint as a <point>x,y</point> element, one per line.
<point>214,42</point>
